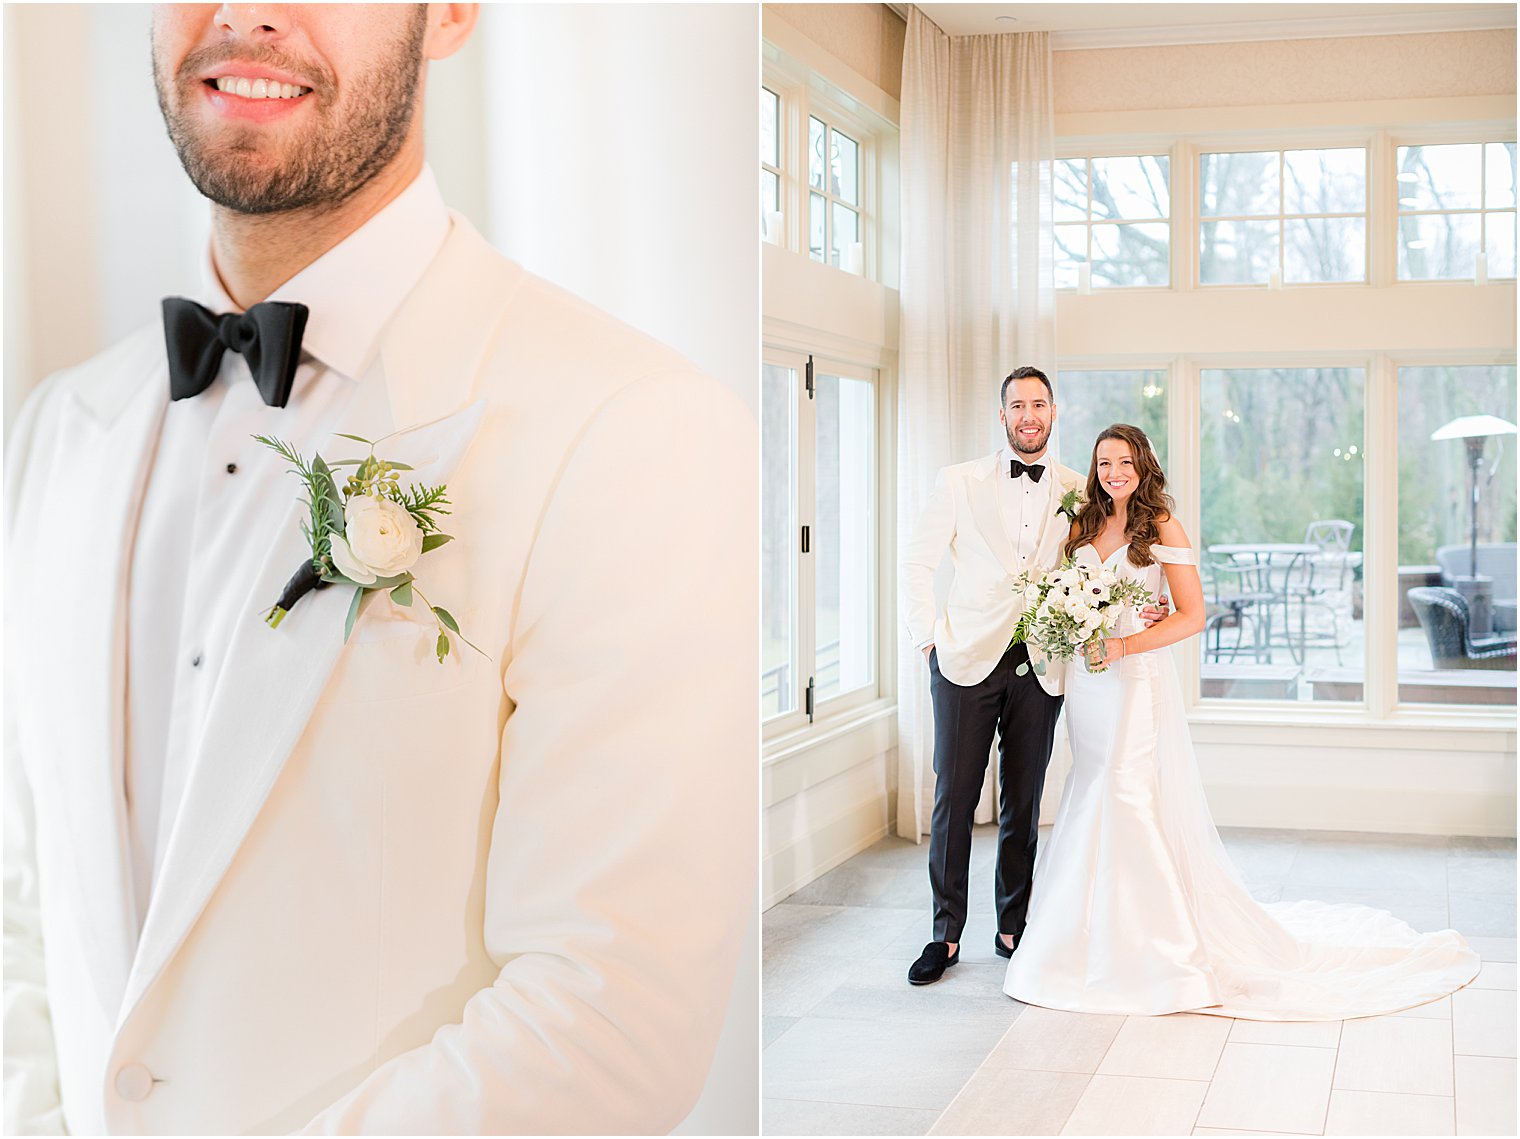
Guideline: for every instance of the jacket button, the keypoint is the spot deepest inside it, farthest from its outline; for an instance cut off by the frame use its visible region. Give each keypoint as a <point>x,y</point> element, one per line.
<point>134,1082</point>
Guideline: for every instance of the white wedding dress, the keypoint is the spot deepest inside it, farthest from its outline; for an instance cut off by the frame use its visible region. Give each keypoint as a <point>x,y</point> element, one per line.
<point>1137,907</point>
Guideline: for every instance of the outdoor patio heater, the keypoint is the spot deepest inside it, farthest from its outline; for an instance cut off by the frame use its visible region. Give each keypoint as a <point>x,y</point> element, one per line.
<point>1477,591</point>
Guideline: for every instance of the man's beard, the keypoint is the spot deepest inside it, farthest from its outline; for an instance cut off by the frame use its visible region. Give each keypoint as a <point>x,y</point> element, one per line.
<point>1027,447</point>
<point>322,166</point>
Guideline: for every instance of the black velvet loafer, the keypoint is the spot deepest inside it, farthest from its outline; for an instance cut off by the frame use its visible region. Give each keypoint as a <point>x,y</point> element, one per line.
<point>932,963</point>
<point>1003,950</point>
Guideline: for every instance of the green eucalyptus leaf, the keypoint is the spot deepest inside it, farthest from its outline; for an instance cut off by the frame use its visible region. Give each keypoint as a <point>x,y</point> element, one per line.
<point>395,466</point>
<point>433,541</point>
<point>1022,670</point>
<point>402,594</point>
<point>355,438</point>
<point>442,648</point>
<point>353,613</point>
<point>446,617</point>
<point>346,462</point>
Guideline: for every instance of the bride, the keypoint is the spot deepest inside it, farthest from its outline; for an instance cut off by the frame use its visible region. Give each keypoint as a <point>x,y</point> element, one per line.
<point>1136,907</point>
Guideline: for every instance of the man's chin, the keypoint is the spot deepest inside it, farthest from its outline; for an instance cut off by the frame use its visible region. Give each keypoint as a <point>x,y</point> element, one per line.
<point>1026,447</point>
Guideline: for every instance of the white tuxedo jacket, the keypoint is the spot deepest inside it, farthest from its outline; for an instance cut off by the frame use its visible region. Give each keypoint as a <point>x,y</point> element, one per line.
<point>494,896</point>
<point>971,635</point>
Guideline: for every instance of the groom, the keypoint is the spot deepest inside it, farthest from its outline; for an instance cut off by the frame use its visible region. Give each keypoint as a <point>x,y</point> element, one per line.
<point>997,517</point>
<point>277,880</point>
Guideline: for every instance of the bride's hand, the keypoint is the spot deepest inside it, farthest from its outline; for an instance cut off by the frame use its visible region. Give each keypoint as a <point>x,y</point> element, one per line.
<point>1104,652</point>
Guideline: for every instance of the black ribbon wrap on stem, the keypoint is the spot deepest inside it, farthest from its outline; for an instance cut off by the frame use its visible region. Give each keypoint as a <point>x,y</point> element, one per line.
<point>302,582</point>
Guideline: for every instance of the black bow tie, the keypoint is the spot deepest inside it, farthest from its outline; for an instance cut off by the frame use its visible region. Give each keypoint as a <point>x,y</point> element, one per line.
<point>268,335</point>
<point>1033,470</point>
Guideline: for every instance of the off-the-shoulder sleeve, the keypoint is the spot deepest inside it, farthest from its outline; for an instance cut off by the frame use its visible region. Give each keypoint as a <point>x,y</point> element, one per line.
<point>1173,555</point>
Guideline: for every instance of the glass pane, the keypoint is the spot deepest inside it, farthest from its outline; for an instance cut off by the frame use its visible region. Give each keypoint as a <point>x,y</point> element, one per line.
<point>1133,254</point>
<point>778,541</point>
<point>1070,251</point>
<point>1237,252</point>
<point>847,253</point>
<point>1240,184</point>
<point>1281,541</point>
<point>816,203</point>
<point>845,169</point>
<point>1438,246</point>
<point>843,545</point>
<point>1324,249</point>
<point>1499,175</point>
<point>817,133</point>
<point>1071,189</point>
<point>1131,187</point>
<point>770,115</point>
<point>1091,401</point>
<point>1499,241</point>
<point>1452,650</point>
<point>1447,177</point>
<point>770,207</point>
<point>1325,181</point>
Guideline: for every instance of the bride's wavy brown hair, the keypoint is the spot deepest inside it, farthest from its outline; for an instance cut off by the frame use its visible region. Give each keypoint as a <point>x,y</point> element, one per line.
<point>1148,505</point>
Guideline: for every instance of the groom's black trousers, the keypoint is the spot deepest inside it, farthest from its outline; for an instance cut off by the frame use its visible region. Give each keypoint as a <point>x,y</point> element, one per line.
<point>1023,716</point>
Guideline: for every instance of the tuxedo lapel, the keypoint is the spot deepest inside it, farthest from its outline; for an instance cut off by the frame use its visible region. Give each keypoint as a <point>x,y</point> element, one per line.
<point>981,493</point>
<point>83,657</point>
<point>273,677</point>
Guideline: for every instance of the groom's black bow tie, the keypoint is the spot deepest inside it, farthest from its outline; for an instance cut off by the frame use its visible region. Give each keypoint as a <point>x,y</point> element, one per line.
<point>1033,470</point>
<point>268,335</point>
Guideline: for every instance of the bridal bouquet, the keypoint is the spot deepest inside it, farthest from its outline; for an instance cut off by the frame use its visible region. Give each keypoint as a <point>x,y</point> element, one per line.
<point>1068,609</point>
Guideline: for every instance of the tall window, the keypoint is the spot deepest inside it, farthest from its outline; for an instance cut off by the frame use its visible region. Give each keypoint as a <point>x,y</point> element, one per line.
<point>1456,201</point>
<point>1281,541</point>
<point>835,234</point>
<point>770,166</point>
<point>1283,216</point>
<point>1449,653</point>
<point>1112,221</point>
<point>1089,401</point>
<point>819,604</point>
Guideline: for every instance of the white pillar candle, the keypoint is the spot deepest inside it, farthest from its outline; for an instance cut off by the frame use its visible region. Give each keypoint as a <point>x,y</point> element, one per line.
<point>1274,279</point>
<point>1480,271</point>
<point>775,223</point>
<point>855,258</point>
<point>1084,278</point>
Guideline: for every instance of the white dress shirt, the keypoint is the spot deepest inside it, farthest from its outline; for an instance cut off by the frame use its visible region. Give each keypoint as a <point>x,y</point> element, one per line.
<point>215,498</point>
<point>1024,504</point>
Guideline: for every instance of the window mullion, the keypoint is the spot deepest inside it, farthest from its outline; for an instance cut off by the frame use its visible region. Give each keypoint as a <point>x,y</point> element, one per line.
<point>1380,602</point>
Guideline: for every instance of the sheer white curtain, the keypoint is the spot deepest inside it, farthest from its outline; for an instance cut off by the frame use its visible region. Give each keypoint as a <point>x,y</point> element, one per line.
<point>978,295</point>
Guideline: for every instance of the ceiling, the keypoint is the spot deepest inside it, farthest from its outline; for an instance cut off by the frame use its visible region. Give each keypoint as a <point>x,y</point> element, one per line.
<point>1078,25</point>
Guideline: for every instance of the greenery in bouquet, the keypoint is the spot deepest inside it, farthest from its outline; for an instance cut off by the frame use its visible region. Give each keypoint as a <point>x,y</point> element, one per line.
<point>1070,608</point>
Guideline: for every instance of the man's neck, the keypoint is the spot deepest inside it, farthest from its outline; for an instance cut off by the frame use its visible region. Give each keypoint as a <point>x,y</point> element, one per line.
<point>254,254</point>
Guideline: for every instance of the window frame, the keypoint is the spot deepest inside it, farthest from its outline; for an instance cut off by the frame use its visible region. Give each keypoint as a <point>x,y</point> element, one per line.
<point>804,95</point>
<point>1436,136</point>
<point>834,357</point>
<point>1281,217</point>
<point>1167,149</point>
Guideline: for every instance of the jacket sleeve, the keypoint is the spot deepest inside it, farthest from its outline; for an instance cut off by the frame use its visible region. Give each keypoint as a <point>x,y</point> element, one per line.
<point>32,1102</point>
<point>622,866</point>
<point>920,559</point>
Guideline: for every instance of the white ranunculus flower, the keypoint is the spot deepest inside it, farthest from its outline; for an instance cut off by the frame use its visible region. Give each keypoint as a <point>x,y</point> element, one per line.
<point>1031,593</point>
<point>381,539</point>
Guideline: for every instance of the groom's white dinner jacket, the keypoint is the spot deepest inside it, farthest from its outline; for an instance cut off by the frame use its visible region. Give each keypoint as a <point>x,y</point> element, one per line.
<point>963,517</point>
<point>501,895</point>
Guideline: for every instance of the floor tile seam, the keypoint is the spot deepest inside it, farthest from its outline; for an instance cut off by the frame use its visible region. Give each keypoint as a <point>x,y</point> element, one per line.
<point>1285,1044</point>
<point>983,1067</point>
<point>1482,1055</point>
<point>1334,1071</point>
<point>844,1103</point>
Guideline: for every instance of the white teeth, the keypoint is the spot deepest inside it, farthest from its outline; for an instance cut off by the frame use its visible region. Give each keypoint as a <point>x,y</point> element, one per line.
<point>259,88</point>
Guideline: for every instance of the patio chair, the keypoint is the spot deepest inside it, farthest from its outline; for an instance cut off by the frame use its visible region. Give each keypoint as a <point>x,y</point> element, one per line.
<point>1321,583</point>
<point>1443,616</point>
<point>1237,593</point>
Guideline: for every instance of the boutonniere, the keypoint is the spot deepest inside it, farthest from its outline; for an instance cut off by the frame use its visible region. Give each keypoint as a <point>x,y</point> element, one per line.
<point>1071,502</point>
<point>370,534</point>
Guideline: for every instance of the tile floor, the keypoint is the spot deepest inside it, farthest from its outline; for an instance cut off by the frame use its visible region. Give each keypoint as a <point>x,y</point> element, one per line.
<point>852,1049</point>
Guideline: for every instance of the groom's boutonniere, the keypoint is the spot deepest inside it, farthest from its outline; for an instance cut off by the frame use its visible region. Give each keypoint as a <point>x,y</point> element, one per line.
<point>1071,502</point>
<point>368,535</point>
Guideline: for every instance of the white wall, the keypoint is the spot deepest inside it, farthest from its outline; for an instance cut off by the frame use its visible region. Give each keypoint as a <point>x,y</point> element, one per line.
<point>609,149</point>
